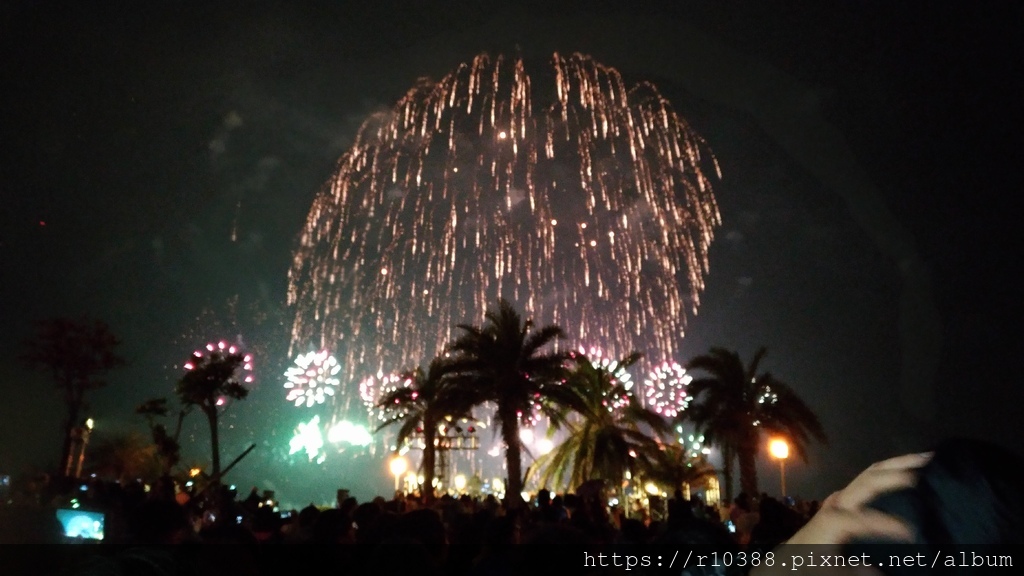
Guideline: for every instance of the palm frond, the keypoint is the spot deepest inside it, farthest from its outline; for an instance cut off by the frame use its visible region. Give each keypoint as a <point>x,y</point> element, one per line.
<point>751,371</point>
<point>541,338</point>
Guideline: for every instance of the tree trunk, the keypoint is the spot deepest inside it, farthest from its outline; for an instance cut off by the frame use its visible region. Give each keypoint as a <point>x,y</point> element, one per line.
<point>727,473</point>
<point>429,459</point>
<point>747,453</point>
<point>513,458</point>
<point>74,410</point>
<point>211,417</point>
<point>171,459</point>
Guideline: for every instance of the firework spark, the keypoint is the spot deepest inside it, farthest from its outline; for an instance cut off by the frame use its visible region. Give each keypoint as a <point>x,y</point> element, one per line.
<point>213,351</point>
<point>374,388</point>
<point>309,439</point>
<point>693,444</point>
<point>664,389</point>
<point>618,374</point>
<point>312,379</point>
<point>583,200</point>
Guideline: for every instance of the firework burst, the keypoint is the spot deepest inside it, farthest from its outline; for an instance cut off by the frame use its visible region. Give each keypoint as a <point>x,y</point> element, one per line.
<point>312,379</point>
<point>582,199</point>
<point>308,439</point>
<point>374,388</point>
<point>664,389</point>
<point>217,350</point>
<point>617,373</point>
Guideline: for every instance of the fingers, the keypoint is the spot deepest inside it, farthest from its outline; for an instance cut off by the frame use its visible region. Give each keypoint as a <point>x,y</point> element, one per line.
<point>844,516</point>
<point>830,502</point>
<point>839,526</point>
<point>881,477</point>
<point>904,461</point>
<point>871,484</point>
<point>874,525</point>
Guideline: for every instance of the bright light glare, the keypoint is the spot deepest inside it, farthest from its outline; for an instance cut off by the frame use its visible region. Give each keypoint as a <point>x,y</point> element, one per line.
<point>398,466</point>
<point>779,448</point>
<point>545,445</point>
<point>349,433</point>
<point>308,439</point>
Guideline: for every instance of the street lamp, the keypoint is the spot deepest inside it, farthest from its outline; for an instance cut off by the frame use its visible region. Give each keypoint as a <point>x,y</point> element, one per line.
<point>398,467</point>
<point>79,442</point>
<point>780,450</point>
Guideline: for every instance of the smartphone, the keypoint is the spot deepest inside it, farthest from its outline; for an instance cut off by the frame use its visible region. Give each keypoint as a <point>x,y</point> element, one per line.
<point>732,527</point>
<point>81,525</point>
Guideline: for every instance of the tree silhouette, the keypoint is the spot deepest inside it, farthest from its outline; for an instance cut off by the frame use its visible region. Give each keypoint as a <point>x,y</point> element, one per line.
<point>420,408</point>
<point>732,405</point>
<point>677,466</point>
<point>168,448</point>
<point>124,457</point>
<point>509,363</point>
<point>77,353</point>
<point>610,435</point>
<point>209,383</point>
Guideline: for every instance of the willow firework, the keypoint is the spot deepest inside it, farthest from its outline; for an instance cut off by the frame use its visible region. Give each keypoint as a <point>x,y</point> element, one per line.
<point>584,201</point>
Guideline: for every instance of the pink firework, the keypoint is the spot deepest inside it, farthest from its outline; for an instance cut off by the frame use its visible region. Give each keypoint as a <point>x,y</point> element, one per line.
<point>664,389</point>
<point>219,350</point>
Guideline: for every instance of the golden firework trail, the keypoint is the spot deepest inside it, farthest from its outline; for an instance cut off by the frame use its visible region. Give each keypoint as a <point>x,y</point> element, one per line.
<point>583,201</point>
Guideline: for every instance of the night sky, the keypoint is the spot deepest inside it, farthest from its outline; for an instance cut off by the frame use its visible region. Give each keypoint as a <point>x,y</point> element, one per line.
<point>158,163</point>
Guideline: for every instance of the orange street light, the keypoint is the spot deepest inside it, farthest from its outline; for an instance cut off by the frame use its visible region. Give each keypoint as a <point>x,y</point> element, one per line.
<point>398,467</point>
<point>780,450</point>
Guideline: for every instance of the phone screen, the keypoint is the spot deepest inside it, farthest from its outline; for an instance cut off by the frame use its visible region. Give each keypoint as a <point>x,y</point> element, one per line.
<point>81,525</point>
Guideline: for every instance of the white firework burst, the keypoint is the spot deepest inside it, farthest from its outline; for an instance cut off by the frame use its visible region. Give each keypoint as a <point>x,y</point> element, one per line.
<point>312,379</point>
<point>664,389</point>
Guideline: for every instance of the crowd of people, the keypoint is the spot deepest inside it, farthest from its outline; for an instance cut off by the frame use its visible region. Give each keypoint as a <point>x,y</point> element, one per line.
<point>962,493</point>
<point>402,535</point>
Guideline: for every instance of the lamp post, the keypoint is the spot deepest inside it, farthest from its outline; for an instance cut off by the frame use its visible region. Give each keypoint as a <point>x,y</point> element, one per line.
<point>79,441</point>
<point>780,450</point>
<point>398,467</point>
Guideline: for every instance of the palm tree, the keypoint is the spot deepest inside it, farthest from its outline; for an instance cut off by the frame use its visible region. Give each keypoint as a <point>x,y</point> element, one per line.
<point>208,384</point>
<point>677,466</point>
<point>612,434</point>
<point>509,363</point>
<point>422,406</point>
<point>733,404</point>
